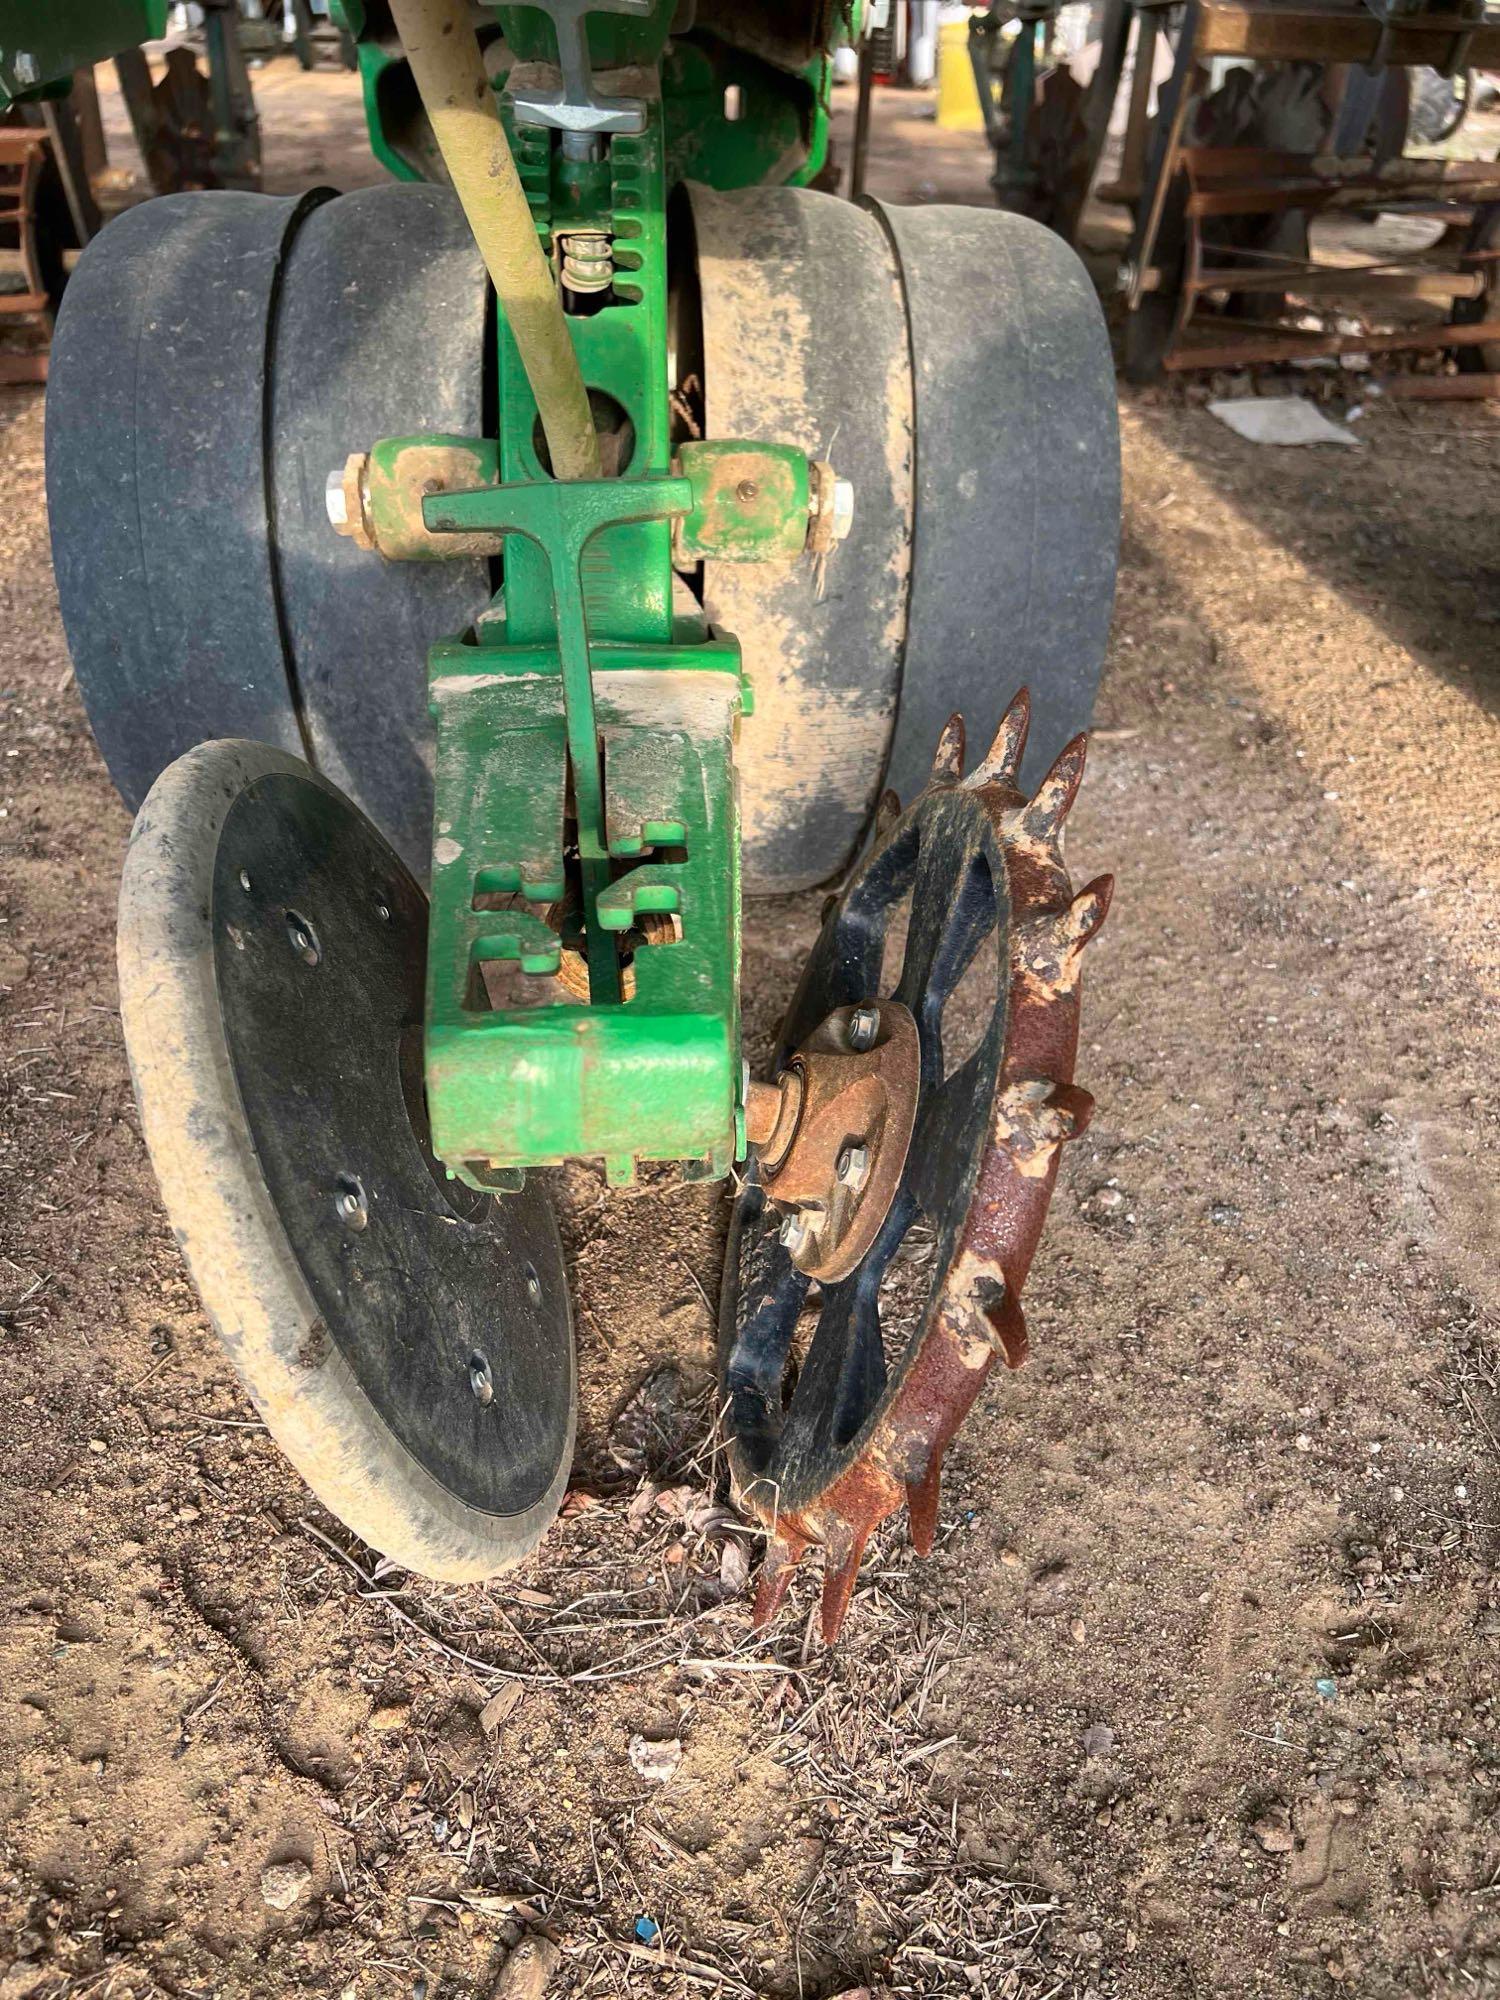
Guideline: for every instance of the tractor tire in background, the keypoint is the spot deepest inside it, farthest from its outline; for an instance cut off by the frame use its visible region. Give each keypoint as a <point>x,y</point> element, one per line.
<point>216,356</point>
<point>953,364</point>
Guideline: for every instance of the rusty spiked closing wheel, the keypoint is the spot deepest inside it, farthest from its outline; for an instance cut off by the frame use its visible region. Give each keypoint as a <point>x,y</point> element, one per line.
<point>828,1436</point>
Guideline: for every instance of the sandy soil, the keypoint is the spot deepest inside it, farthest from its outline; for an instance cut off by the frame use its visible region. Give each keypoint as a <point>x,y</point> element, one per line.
<point>1195,1696</point>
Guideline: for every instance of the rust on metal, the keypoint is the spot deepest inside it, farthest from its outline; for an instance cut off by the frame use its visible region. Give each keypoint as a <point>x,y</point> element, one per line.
<point>836,1149</point>
<point>974,1312</point>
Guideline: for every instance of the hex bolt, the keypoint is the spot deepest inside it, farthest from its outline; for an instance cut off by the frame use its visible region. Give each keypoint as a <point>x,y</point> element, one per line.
<point>864,1026</point>
<point>481,1381</point>
<point>747,490</point>
<point>344,499</point>
<point>794,1233</point>
<point>335,499</point>
<point>303,938</point>
<point>350,1202</point>
<point>853,1166</point>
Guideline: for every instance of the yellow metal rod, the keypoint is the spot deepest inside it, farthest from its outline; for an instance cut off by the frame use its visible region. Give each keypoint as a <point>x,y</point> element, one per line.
<point>446,65</point>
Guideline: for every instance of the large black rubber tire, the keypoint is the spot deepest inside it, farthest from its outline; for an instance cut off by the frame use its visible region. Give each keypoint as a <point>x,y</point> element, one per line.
<point>156,480</point>
<point>1016,536</point>
<point>804,342</point>
<point>380,333</point>
<point>217,354</point>
<point>271,957</point>
<point>953,364</point>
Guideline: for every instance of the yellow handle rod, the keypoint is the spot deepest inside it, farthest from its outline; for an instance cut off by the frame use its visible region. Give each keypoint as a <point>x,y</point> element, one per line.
<point>443,51</point>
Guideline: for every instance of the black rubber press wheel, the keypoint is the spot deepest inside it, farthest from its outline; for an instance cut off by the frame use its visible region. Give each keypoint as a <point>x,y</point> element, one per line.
<point>953,365</point>
<point>408,1341</point>
<point>216,356</point>
<point>1017,528</point>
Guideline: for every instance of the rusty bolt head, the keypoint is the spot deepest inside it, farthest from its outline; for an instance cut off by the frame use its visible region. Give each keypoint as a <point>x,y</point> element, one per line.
<point>853,1166</point>
<point>864,1025</point>
<point>344,497</point>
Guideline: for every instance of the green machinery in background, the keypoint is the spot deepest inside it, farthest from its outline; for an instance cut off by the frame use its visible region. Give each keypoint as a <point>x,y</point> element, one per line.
<point>709,498</point>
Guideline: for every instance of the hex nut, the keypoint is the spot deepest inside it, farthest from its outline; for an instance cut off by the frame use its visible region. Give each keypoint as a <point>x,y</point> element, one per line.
<point>344,498</point>
<point>864,1025</point>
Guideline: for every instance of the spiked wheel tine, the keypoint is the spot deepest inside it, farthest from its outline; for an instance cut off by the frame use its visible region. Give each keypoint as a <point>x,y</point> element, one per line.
<point>1002,760</point>
<point>838,1585</point>
<point>777,1565</point>
<point>1088,909</point>
<point>1074,1107</point>
<point>840,1433</point>
<point>948,764</point>
<point>922,1499</point>
<point>1042,818</point>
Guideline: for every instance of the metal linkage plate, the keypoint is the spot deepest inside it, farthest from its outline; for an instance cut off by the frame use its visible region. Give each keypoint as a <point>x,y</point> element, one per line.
<point>407,1339</point>
<point>834,1416</point>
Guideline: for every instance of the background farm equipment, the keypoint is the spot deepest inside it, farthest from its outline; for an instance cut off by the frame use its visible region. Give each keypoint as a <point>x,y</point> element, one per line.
<point>1269,121</point>
<point>710,499</point>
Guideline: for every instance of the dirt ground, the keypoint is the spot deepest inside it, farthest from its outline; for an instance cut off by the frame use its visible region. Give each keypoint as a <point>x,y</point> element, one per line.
<point>1195,1697</point>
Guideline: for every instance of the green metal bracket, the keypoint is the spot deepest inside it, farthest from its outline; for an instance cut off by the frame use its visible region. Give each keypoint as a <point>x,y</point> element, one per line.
<point>642,738</point>
<point>520,1078</point>
<point>43,44</point>
<point>561,521</point>
<point>750,502</point>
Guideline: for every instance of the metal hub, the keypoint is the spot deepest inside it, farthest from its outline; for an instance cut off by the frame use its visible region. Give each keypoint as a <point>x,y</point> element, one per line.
<point>833,1133</point>
<point>828,1435</point>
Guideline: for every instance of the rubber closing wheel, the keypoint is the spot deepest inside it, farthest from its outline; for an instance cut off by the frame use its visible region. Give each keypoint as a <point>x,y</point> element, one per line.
<point>953,364</point>
<point>156,479</point>
<point>408,1342</point>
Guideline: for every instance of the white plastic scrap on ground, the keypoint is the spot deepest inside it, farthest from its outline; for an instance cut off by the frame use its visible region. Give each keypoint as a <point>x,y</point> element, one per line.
<point>1279,420</point>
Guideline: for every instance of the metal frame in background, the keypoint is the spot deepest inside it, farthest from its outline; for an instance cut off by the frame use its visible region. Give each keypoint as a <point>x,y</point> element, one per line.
<point>1190,185</point>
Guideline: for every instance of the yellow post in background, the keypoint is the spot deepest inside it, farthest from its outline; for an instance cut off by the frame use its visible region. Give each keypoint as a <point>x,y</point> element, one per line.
<point>957,97</point>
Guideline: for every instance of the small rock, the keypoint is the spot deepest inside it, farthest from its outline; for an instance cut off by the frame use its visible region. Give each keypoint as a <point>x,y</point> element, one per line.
<point>284,1883</point>
<point>1274,1831</point>
<point>1098,1740</point>
<point>390,1716</point>
<point>655,1761</point>
<point>527,1972</point>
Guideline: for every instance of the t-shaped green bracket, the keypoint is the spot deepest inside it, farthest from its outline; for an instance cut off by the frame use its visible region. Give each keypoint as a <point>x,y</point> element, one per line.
<point>562,519</point>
